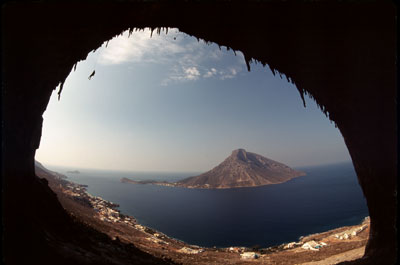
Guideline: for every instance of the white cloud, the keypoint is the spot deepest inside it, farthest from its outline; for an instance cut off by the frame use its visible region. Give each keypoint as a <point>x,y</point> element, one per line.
<point>181,74</point>
<point>192,73</point>
<point>185,57</point>
<point>210,73</point>
<point>139,47</point>
<point>227,74</point>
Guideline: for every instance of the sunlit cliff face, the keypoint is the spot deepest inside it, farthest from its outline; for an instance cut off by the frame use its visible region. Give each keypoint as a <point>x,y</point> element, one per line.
<point>346,64</point>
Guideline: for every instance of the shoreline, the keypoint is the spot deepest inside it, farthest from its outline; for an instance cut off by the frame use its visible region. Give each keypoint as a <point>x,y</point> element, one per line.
<point>200,187</point>
<point>105,216</point>
<point>129,219</point>
<point>110,213</point>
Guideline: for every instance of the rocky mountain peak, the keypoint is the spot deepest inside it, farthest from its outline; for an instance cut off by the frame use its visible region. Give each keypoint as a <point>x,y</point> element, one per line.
<point>239,154</point>
<point>242,169</point>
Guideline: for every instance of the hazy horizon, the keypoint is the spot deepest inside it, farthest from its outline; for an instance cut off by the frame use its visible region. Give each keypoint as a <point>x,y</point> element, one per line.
<point>71,167</point>
<point>172,104</point>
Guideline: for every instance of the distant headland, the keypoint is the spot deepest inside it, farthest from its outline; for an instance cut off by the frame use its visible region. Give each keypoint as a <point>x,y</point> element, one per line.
<point>154,182</point>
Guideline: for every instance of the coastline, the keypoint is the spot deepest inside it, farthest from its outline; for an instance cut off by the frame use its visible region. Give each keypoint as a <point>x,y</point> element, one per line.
<point>105,217</point>
<point>205,186</point>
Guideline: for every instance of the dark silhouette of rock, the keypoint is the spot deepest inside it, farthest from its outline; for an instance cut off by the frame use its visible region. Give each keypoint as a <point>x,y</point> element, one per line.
<point>343,56</point>
<point>242,169</point>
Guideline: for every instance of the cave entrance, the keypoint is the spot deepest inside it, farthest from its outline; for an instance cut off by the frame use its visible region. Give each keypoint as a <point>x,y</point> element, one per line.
<point>169,107</point>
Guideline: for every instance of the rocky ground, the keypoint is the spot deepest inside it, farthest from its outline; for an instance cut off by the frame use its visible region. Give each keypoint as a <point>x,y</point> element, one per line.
<point>331,247</point>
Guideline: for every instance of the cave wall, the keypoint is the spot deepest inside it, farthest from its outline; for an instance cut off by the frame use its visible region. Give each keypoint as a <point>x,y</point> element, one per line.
<point>341,54</point>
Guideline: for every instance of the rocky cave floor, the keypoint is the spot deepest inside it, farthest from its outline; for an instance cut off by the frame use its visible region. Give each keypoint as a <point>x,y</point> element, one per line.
<point>334,246</point>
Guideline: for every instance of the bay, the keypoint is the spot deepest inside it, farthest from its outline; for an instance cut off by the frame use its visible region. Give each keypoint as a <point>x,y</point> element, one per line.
<point>327,197</point>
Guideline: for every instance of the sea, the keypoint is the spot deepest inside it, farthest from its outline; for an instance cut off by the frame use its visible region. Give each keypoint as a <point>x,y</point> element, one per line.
<point>327,197</point>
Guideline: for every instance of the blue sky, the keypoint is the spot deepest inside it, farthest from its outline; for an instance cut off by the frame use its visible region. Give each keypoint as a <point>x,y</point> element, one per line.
<point>172,103</point>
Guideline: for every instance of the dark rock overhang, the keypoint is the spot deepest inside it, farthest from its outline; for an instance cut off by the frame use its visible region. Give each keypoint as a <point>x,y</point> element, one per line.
<point>342,54</point>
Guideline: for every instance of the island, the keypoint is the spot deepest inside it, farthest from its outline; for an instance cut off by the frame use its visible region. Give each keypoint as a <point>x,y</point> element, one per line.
<point>240,169</point>
<point>154,182</point>
<point>120,233</point>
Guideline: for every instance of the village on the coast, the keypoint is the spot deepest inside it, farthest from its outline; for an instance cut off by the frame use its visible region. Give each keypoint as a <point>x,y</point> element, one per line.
<point>108,212</point>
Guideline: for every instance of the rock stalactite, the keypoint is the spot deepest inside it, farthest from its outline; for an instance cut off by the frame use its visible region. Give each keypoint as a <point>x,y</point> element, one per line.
<point>343,55</point>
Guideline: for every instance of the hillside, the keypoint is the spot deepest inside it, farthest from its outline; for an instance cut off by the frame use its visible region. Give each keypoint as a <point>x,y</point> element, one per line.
<point>242,169</point>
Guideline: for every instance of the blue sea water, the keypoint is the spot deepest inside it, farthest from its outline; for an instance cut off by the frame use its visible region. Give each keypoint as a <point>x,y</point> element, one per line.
<point>327,197</point>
